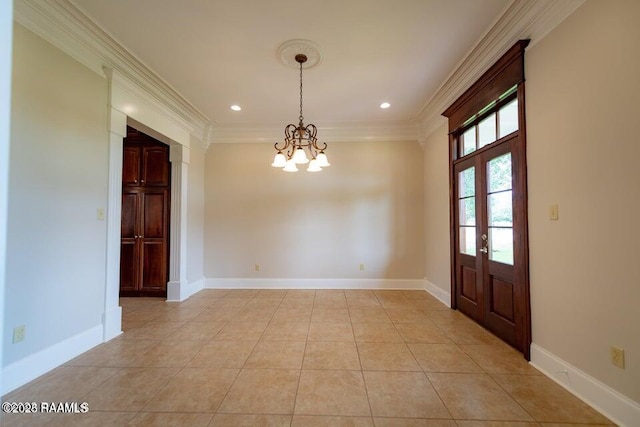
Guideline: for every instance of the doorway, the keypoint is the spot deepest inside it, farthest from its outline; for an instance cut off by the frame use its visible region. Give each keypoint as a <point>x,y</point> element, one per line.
<point>489,236</point>
<point>144,242</point>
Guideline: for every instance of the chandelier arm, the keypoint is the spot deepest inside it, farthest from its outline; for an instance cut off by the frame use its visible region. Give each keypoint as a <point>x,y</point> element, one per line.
<point>290,152</point>
<point>313,151</point>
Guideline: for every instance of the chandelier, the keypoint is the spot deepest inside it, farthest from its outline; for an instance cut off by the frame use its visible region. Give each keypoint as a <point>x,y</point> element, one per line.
<point>300,139</point>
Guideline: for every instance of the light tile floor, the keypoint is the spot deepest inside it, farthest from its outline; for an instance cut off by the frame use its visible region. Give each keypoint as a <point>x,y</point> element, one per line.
<point>302,358</point>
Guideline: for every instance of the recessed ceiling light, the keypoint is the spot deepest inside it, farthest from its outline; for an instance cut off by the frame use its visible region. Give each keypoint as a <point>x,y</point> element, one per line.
<point>385,105</point>
<point>236,108</point>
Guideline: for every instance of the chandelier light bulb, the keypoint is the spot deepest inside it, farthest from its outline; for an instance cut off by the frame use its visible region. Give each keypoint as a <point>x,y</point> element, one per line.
<point>323,162</point>
<point>300,157</point>
<point>290,166</point>
<point>279,161</point>
<point>314,166</point>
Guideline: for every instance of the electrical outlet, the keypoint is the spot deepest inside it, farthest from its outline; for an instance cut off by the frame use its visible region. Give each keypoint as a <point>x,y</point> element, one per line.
<point>361,267</point>
<point>18,334</point>
<point>256,267</point>
<point>617,356</point>
<point>553,212</point>
<point>100,214</point>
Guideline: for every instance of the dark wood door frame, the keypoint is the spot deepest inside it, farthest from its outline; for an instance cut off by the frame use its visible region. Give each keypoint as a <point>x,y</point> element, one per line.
<point>506,73</point>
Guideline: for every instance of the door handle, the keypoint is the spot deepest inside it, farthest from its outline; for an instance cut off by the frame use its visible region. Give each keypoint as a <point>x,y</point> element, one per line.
<point>484,249</point>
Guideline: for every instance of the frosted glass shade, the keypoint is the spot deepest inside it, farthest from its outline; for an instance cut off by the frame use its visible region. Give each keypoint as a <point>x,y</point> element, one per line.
<point>290,166</point>
<point>314,166</point>
<point>279,161</point>
<point>300,157</point>
<point>323,162</point>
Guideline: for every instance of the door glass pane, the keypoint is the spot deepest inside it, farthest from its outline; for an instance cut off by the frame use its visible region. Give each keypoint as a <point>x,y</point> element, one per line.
<point>468,211</point>
<point>468,240</point>
<point>500,209</point>
<point>469,141</point>
<point>499,173</point>
<point>501,245</point>
<point>467,182</point>
<point>487,131</point>
<point>508,118</point>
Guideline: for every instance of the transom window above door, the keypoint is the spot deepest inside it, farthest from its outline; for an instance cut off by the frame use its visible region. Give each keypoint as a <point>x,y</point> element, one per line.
<point>493,122</point>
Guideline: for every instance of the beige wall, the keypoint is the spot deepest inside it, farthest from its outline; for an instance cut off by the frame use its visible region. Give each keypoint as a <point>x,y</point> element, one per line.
<point>366,208</point>
<point>583,99</point>
<point>436,207</point>
<point>55,282</point>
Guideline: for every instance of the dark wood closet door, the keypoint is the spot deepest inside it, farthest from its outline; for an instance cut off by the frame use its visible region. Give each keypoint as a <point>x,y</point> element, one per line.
<point>144,250</point>
<point>128,242</point>
<point>153,240</point>
<point>131,166</point>
<point>155,167</point>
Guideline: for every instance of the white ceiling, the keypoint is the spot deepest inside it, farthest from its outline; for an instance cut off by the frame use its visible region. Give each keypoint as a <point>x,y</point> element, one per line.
<point>217,53</point>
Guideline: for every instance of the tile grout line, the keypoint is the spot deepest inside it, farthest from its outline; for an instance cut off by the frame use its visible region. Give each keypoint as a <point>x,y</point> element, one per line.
<point>237,375</point>
<point>304,353</point>
<point>364,381</point>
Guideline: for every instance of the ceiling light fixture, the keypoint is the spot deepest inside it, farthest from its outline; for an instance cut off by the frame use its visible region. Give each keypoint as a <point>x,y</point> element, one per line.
<point>385,105</point>
<point>297,139</point>
<point>236,108</point>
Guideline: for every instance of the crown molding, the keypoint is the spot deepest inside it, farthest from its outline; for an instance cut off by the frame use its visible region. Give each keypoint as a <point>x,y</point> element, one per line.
<point>327,132</point>
<point>65,26</point>
<point>522,19</point>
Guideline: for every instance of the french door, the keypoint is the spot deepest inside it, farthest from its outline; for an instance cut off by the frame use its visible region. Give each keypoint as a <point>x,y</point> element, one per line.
<point>489,219</point>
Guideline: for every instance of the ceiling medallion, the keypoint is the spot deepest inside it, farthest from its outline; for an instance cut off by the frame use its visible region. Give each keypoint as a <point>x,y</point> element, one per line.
<point>288,50</point>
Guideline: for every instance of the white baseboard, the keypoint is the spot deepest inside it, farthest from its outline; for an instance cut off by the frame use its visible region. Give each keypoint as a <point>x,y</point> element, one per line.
<point>31,367</point>
<point>438,292</point>
<point>180,291</point>
<point>112,323</point>
<point>615,406</point>
<point>252,283</point>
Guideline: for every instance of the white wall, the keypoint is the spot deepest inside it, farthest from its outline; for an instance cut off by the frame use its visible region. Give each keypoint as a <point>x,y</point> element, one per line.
<point>366,208</point>
<point>583,98</point>
<point>6,35</point>
<point>437,264</point>
<point>195,217</point>
<point>58,178</point>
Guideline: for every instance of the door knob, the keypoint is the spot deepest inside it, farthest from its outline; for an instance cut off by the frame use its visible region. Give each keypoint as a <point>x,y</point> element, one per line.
<point>484,250</point>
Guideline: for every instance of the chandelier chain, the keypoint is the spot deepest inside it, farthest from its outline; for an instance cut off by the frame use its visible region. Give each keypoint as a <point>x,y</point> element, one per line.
<point>301,117</point>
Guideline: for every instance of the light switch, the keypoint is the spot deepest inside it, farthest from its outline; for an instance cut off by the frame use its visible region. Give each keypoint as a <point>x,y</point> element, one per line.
<point>553,212</point>
<point>100,214</point>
